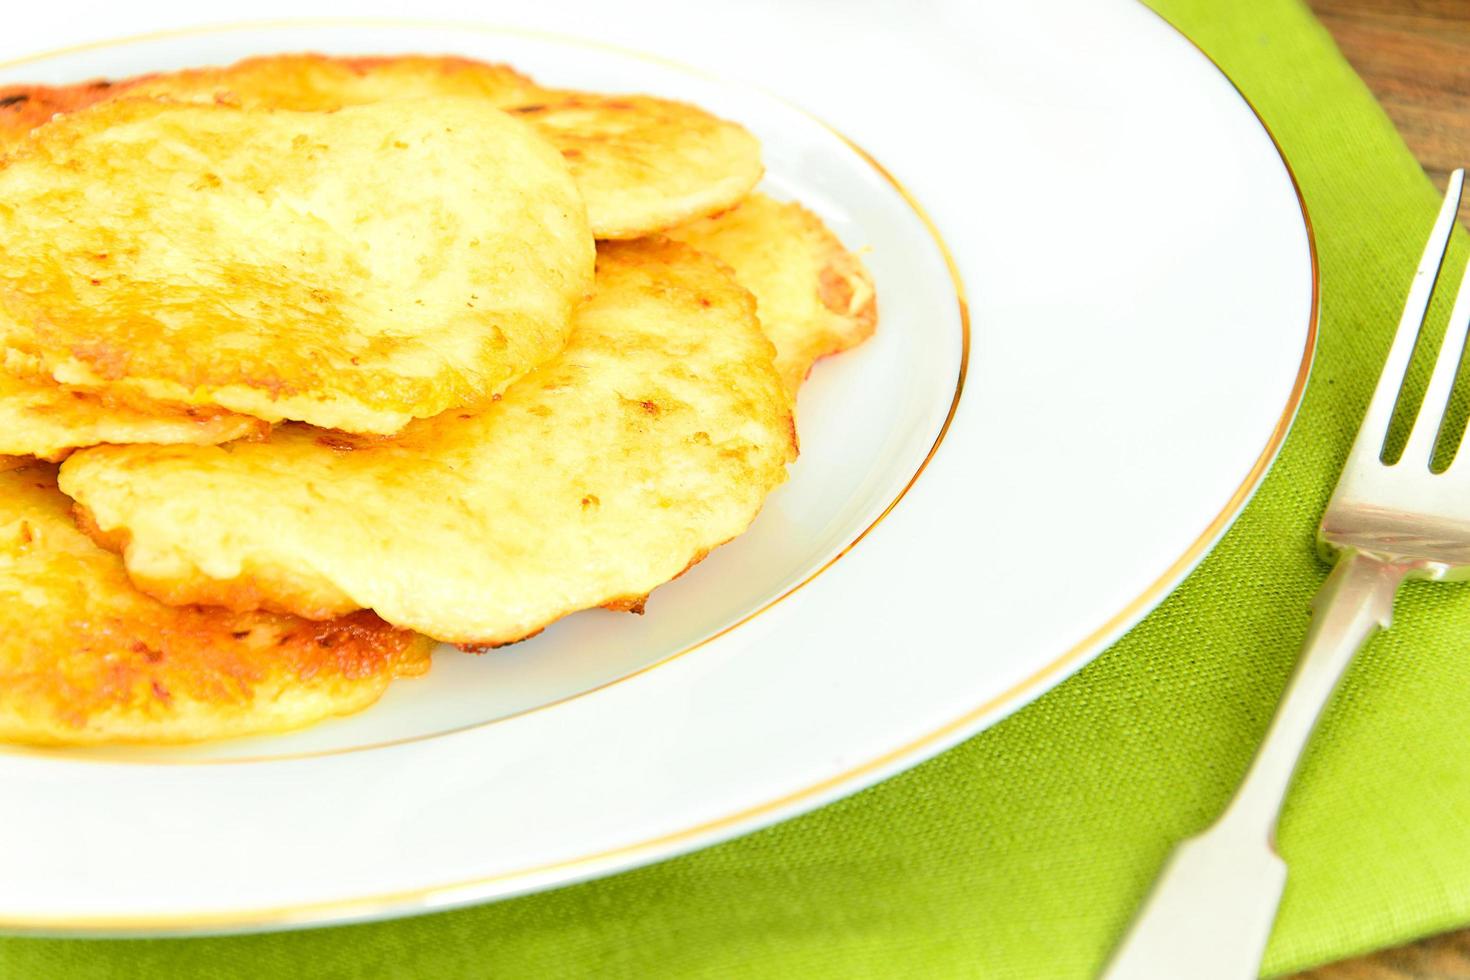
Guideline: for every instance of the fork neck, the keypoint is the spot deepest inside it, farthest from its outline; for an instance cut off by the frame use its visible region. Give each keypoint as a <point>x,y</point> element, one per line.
<point>1354,602</point>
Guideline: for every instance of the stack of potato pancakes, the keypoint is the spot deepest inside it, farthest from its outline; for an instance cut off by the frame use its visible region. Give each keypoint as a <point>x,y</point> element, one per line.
<point>342,356</point>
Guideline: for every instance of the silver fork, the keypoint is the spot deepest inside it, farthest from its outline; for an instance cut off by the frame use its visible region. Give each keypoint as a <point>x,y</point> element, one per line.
<point>1210,914</point>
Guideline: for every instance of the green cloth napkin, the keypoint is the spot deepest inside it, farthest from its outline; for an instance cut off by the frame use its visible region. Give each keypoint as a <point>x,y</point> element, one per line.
<point>1023,852</point>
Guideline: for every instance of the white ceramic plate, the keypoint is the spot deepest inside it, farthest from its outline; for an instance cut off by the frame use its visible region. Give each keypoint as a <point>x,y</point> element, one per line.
<point>949,545</point>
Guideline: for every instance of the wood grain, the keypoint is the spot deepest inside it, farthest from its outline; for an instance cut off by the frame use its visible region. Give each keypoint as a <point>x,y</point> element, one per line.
<point>1444,957</point>
<point>1415,56</point>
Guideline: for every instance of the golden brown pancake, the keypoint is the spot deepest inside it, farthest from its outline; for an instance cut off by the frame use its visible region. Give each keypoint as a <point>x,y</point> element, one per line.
<point>353,269</point>
<point>318,83</point>
<point>47,421</point>
<point>87,659</point>
<point>298,81</point>
<point>654,437</point>
<point>813,296</point>
<point>39,418</point>
<point>642,164</point>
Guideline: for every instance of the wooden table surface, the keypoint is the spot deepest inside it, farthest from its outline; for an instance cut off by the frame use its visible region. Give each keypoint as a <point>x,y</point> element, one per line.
<point>1415,56</point>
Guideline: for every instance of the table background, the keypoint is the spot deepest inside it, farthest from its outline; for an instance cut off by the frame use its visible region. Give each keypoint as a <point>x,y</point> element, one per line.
<point>1415,56</point>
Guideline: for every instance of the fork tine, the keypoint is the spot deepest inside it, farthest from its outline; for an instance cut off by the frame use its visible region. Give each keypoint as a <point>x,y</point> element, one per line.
<point>1380,409</point>
<point>1431,417</point>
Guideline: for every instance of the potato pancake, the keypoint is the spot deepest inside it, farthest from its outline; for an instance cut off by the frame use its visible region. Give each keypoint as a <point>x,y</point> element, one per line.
<point>642,164</point>
<point>352,269</point>
<point>315,82</point>
<point>47,421</point>
<point>297,81</point>
<point>86,659</point>
<point>812,295</point>
<point>654,437</point>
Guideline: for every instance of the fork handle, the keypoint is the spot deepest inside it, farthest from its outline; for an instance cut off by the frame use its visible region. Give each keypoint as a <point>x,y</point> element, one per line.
<point>1210,913</point>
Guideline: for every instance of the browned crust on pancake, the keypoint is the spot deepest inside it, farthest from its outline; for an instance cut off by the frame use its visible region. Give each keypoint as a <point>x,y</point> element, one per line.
<point>24,107</point>
<point>85,658</point>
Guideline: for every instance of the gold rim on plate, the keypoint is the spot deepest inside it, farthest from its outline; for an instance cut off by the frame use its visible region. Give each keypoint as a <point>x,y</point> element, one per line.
<point>454,894</point>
